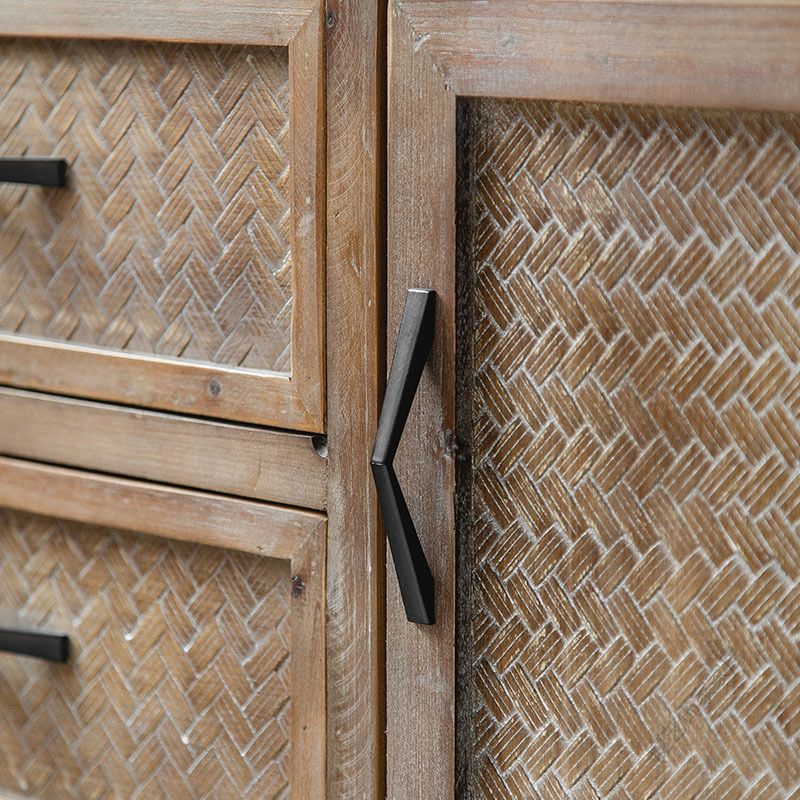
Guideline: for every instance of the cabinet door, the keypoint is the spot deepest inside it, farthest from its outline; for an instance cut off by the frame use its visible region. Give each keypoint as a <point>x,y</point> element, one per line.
<point>196,628</point>
<point>181,267</point>
<point>602,461</point>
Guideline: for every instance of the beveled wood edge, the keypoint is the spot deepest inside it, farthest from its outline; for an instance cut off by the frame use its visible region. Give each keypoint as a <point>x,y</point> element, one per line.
<point>309,625</point>
<point>267,530</point>
<point>166,511</point>
<point>307,109</point>
<point>293,400</point>
<point>169,384</point>
<point>734,55</point>
<point>203,21</point>
<point>276,466</point>
<point>739,55</point>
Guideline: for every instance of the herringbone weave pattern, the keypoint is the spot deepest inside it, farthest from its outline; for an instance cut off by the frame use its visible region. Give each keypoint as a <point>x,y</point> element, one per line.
<point>178,685</point>
<point>636,617</point>
<point>173,235</point>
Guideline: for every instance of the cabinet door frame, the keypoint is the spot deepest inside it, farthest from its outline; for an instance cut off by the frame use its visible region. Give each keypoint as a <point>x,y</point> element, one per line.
<point>293,535</point>
<point>712,55</point>
<point>293,400</point>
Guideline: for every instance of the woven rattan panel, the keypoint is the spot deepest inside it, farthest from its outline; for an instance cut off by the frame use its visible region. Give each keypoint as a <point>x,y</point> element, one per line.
<point>636,497</point>
<point>173,235</point>
<point>178,680</point>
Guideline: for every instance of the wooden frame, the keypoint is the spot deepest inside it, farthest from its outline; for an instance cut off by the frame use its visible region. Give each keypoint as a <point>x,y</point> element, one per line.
<point>295,400</point>
<point>355,56</point>
<point>239,460</point>
<point>739,55</point>
<point>272,531</point>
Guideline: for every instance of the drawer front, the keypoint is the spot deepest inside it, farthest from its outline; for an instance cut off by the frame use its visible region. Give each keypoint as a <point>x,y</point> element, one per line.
<point>633,610</point>
<point>196,662</point>
<point>180,266</point>
<point>179,681</point>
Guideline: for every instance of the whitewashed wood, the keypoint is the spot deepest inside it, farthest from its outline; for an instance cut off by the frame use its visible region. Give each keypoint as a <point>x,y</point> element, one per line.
<point>713,54</point>
<point>207,21</point>
<point>421,253</point>
<point>356,339</point>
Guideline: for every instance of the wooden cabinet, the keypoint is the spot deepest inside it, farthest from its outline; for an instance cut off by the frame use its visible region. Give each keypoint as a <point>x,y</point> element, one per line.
<point>602,461</point>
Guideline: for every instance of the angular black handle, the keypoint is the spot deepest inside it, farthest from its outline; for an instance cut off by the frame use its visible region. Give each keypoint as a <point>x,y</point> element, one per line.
<point>49,646</point>
<point>36,171</point>
<point>414,340</point>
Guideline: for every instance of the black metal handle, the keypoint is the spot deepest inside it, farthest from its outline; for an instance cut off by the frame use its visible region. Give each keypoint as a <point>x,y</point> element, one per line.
<point>49,646</point>
<point>36,171</point>
<point>414,340</point>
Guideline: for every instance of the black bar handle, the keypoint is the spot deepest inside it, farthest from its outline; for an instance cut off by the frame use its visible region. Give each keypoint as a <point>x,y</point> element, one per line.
<point>49,646</point>
<point>414,340</point>
<point>36,171</point>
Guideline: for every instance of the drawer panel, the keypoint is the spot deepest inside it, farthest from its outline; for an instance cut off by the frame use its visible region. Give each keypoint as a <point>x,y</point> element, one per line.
<point>182,265</point>
<point>173,234</point>
<point>195,670</point>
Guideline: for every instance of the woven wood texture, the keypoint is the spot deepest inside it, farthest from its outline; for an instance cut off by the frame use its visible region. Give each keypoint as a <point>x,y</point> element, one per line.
<point>178,685</point>
<point>173,235</point>
<point>636,493</point>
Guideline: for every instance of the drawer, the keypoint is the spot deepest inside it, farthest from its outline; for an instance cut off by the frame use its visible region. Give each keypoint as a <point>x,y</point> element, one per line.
<point>195,665</point>
<point>181,266</point>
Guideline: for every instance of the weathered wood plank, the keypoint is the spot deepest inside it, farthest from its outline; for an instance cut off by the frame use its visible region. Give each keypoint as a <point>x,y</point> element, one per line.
<point>208,21</point>
<point>356,544</point>
<point>251,462</point>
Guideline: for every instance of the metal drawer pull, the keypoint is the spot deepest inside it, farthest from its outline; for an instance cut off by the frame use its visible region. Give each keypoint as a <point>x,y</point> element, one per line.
<point>414,341</point>
<point>37,171</point>
<point>49,646</point>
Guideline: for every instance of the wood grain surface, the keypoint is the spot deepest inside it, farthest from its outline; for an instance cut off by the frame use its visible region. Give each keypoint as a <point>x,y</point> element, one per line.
<point>96,499</point>
<point>356,342</point>
<point>738,55</point>
<point>207,21</point>
<point>247,461</point>
<point>711,54</point>
<point>191,228</point>
<point>421,253</point>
